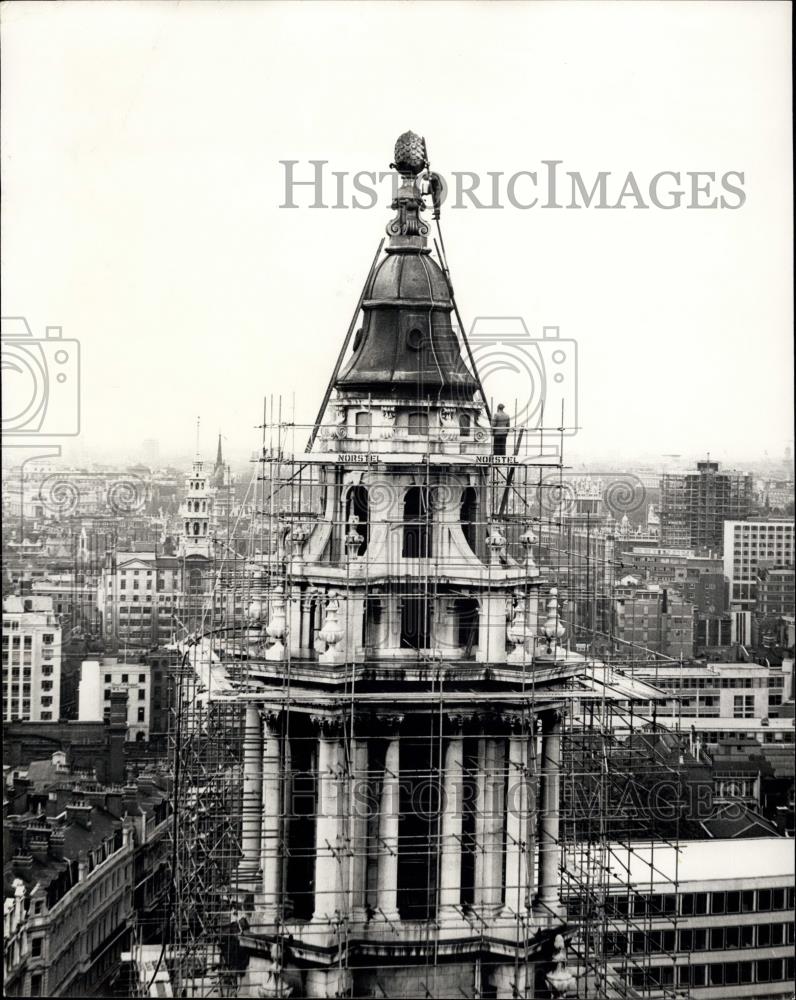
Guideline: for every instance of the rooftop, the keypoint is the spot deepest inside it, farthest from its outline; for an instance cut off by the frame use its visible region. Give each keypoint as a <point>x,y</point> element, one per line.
<point>698,861</point>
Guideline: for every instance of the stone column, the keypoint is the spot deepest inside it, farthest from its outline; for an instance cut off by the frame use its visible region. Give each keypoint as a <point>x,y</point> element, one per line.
<point>389,813</point>
<point>271,850</point>
<point>358,810</point>
<point>450,877</point>
<point>548,900</point>
<point>251,827</point>
<point>518,860</point>
<point>489,826</point>
<point>329,902</point>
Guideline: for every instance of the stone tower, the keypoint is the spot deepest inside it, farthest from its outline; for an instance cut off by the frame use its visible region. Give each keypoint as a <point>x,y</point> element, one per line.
<point>195,513</point>
<point>407,683</point>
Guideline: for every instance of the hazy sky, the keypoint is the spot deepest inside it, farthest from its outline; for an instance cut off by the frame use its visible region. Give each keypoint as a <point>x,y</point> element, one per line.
<point>142,184</point>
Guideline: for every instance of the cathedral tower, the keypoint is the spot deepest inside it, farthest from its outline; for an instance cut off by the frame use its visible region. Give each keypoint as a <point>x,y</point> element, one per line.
<point>407,678</point>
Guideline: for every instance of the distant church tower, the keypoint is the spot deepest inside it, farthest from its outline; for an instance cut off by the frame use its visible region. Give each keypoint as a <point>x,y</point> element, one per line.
<point>196,512</point>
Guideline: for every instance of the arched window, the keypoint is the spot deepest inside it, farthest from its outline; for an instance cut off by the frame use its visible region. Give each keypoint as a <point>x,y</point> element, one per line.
<point>187,527</point>
<point>468,514</point>
<point>196,527</point>
<point>466,611</point>
<point>417,541</point>
<point>418,423</point>
<point>357,506</point>
<point>363,423</point>
<point>464,425</point>
<point>204,528</point>
<point>415,620</point>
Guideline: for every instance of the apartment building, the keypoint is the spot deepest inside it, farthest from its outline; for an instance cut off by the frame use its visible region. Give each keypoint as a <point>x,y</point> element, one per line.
<point>695,505</point>
<point>99,679</point>
<point>776,592</point>
<point>145,599</point>
<point>31,660</point>
<point>656,619</point>
<point>752,546</point>
<point>713,918</point>
<point>717,690</point>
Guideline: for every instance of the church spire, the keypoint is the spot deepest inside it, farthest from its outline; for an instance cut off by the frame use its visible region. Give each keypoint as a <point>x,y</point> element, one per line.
<point>219,457</point>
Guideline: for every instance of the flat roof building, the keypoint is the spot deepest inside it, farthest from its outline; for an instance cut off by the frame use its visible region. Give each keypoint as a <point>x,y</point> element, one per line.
<point>31,660</point>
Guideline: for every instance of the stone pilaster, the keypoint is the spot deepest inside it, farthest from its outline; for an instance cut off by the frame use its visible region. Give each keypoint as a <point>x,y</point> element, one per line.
<point>271,818</point>
<point>519,843</point>
<point>548,900</point>
<point>329,848</point>
<point>251,827</point>
<point>512,981</point>
<point>450,878</point>
<point>492,628</point>
<point>389,815</point>
<point>489,826</point>
<point>358,806</point>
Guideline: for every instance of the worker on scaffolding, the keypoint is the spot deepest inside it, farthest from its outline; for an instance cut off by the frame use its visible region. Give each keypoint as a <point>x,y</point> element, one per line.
<point>500,430</point>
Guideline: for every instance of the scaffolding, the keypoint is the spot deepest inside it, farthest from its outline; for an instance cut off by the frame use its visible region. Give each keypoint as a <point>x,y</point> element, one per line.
<point>401,772</point>
<point>614,947</point>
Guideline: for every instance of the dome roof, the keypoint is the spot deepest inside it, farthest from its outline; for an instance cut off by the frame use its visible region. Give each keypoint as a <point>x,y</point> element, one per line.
<point>410,277</point>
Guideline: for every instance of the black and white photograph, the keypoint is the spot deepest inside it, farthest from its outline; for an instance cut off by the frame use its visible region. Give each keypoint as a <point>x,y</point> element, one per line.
<point>398,568</point>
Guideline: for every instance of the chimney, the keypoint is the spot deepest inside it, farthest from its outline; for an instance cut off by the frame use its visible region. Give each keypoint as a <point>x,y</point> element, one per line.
<point>38,845</point>
<point>57,838</point>
<point>114,802</point>
<point>145,783</point>
<point>23,865</point>
<point>79,813</point>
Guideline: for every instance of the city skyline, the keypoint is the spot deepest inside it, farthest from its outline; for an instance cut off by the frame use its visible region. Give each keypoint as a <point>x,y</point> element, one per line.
<point>399,567</point>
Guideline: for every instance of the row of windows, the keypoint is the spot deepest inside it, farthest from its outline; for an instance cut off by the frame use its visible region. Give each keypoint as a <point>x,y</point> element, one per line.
<point>141,695</point>
<point>702,903</point>
<point>141,716</point>
<point>720,682</point>
<point>27,640</point>
<point>716,736</point>
<point>126,679</point>
<point>699,939</point>
<point>416,423</point>
<point>767,970</point>
<point>147,572</point>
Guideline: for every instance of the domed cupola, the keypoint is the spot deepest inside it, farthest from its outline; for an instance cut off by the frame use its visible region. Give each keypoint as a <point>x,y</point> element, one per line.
<point>407,346</point>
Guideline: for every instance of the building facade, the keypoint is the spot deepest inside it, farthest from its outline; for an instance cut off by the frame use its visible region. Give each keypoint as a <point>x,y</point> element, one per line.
<point>31,660</point>
<point>711,918</point>
<point>751,546</point>
<point>99,679</point>
<point>695,505</point>
<point>655,619</point>
<point>775,592</point>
